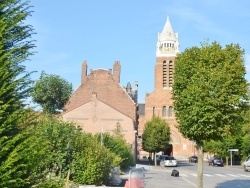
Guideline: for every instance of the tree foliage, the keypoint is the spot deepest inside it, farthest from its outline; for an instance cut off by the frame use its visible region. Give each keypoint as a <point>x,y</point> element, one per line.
<point>121,149</point>
<point>156,135</point>
<point>61,140</point>
<point>92,164</point>
<point>15,48</point>
<point>209,93</point>
<point>51,92</point>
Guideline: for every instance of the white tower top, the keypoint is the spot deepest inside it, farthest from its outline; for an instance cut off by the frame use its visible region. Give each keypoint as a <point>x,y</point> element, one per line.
<point>167,44</point>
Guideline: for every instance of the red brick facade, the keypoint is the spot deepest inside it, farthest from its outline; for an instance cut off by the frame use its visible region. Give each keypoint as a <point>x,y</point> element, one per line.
<point>159,102</point>
<point>100,102</point>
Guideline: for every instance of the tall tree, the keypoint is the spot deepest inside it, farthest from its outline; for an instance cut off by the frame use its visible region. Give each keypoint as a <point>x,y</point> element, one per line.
<point>209,93</point>
<point>156,136</point>
<point>51,92</point>
<point>15,47</point>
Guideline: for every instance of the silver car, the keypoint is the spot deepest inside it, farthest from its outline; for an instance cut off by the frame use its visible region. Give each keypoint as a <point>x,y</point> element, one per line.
<point>168,161</point>
<point>247,164</point>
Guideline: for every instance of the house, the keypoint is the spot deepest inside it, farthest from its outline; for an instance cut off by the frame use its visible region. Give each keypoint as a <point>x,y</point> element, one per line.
<point>100,103</point>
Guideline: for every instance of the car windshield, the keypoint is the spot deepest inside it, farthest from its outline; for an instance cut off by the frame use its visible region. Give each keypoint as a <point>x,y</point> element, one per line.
<point>169,158</point>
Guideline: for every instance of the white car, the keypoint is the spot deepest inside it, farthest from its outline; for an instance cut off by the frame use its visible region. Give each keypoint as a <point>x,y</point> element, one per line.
<point>247,164</point>
<point>168,161</point>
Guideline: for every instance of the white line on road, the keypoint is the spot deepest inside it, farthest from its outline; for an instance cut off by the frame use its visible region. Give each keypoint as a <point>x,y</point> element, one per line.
<point>189,182</point>
<point>208,175</point>
<point>233,175</point>
<point>221,175</point>
<point>243,175</point>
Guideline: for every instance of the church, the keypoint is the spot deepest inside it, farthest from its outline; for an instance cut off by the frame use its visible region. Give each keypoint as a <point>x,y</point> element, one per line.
<point>100,102</point>
<point>159,103</point>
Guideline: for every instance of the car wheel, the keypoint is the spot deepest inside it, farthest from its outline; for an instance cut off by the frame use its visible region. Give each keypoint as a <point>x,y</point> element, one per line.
<point>245,169</point>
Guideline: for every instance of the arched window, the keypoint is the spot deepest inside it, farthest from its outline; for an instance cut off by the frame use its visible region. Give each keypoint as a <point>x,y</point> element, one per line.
<point>170,111</point>
<point>164,111</point>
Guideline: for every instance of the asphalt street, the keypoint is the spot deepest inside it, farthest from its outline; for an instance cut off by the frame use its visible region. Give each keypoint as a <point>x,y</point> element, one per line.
<point>219,177</point>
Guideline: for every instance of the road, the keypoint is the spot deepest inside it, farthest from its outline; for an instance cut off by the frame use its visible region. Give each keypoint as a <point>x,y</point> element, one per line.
<point>229,177</point>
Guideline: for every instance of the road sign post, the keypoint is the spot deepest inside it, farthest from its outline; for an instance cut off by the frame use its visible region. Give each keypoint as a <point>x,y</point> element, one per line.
<point>231,156</point>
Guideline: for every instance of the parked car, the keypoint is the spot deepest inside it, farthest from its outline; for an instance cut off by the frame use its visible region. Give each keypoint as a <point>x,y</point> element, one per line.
<point>214,161</point>
<point>247,164</point>
<point>168,161</point>
<point>160,158</point>
<point>193,159</point>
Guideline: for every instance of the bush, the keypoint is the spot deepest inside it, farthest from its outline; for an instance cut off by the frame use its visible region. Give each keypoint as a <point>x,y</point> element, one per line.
<point>92,165</point>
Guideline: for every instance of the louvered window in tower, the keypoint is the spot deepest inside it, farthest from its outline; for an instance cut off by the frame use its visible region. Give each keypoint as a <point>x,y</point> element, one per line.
<point>164,111</point>
<point>170,111</point>
<point>170,73</point>
<point>164,81</point>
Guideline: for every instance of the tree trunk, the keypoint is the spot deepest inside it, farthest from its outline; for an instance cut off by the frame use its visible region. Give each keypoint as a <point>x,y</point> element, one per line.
<point>155,159</point>
<point>200,166</point>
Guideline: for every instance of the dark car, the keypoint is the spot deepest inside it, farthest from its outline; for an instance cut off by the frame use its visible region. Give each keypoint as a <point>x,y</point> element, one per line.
<point>214,161</point>
<point>193,159</point>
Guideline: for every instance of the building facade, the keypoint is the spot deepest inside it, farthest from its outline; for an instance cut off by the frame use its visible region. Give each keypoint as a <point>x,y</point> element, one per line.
<point>159,102</point>
<point>100,102</point>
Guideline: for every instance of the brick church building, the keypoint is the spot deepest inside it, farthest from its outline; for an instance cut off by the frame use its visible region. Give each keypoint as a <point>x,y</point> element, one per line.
<point>100,102</point>
<point>159,103</point>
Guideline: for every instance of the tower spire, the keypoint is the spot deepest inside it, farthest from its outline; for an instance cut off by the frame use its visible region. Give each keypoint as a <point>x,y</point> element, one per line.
<point>167,44</point>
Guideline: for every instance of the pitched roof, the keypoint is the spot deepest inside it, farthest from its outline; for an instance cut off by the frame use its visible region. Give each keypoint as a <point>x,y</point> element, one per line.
<point>101,83</point>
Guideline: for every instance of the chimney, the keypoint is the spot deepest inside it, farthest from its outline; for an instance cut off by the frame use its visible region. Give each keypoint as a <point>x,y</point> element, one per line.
<point>84,72</point>
<point>117,71</point>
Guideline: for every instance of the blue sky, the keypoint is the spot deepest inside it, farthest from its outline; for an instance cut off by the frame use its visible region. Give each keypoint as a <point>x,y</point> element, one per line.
<point>102,32</point>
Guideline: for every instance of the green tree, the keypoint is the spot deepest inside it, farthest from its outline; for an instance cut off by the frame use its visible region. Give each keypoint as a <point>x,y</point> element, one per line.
<point>61,139</point>
<point>245,149</point>
<point>156,136</point>
<point>91,165</point>
<point>117,132</point>
<point>51,92</point>
<point>220,148</point>
<point>209,94</point>
<point>121,149</point>
<point>15,48</point>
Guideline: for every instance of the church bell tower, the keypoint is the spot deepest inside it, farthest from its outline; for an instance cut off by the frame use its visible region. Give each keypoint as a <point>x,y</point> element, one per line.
<point>166,49</point>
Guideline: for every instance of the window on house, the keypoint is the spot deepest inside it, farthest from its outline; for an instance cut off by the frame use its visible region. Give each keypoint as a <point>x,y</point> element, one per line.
<point>164,110</point>
<point>153,111</point>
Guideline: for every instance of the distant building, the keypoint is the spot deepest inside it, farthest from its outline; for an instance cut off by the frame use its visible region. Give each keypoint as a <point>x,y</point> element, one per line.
<point>100,102</point>
<point>159,102</point>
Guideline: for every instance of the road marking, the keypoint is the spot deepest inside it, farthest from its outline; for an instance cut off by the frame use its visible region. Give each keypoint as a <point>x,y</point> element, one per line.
<point>243,175</point>
<point>183,175</point>
<point>221,175</point>
<point>189,182</point>
<point>213,175</point>
<point>208,175</point>
<point>233,175</point>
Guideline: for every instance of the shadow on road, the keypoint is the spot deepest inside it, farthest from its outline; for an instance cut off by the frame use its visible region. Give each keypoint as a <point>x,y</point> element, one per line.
<point>234,183</point>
